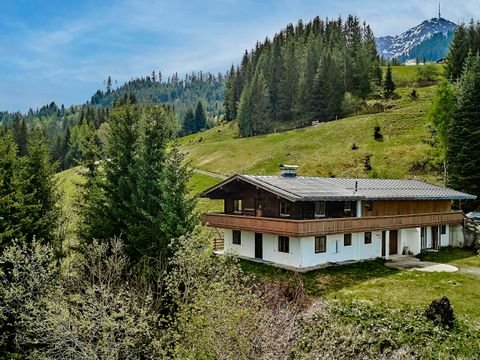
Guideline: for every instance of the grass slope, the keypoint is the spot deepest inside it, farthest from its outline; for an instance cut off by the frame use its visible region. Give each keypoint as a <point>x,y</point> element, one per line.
<point>326,149</point>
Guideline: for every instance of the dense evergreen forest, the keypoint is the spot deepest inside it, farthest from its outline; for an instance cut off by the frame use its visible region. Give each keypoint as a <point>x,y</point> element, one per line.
<point>455,112</point>
<point>66,129</point>
<point>182,93</point>
<point>304,74</point>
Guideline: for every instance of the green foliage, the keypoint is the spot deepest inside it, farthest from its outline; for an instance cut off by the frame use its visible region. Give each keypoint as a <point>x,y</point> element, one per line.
<point>307,70</point>
<point>340,329</point>
<point>11,197</point>
<point>181,94</point>
<point>27,274</point>
<point>140,191</point>
<point>441,112</point>
<point>466,39</point>
<point>426,73</point>
<point>40,194</point>
<point>463,134</point>
<point>388,84</point>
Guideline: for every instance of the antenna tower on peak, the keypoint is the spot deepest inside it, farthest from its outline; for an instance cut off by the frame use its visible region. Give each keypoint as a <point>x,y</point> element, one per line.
<point>439,13</point>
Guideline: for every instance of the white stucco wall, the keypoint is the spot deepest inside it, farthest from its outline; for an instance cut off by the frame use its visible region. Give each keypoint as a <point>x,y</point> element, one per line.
<point>409,239</point>
<point>302,250</point>
<point>271,253</point>
<point>357,251</point>
<point>445,238</point>
<point>270,248</point>
<point>456,236</point>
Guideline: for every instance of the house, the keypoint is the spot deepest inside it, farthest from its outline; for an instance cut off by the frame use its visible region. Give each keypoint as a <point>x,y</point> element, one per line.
<point>302,222</point>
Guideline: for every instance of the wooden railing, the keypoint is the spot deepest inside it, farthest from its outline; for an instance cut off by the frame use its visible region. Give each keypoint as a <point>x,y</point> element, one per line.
<point>297,228</point>
<point>218,244</point>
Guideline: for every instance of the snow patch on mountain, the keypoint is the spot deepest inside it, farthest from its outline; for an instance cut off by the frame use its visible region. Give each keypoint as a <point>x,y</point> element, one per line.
<point>391,47</point>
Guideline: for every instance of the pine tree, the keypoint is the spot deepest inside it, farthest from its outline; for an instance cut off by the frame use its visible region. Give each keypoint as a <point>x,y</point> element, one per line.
<point>39,189</point>
<point>261,105</point>
<point>189,123</point>
<point>144,225</point>
<point>20,134</point>
<point>11,199</point>
<point>458,52</point>
<point>200,118</point>
<point>388,84</point>
<point>463,137</point>
<point>245,119</point>
<point>287,87</point>
<point>177,204</point>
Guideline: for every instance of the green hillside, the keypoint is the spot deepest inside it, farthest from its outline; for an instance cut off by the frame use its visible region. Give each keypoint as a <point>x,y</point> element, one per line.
<point>326,149</point>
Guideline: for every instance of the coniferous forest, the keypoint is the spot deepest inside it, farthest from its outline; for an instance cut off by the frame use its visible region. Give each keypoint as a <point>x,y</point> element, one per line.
<point>302,75</point>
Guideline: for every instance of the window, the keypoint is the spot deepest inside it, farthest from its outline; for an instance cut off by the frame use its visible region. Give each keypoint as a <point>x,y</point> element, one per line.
<point>283,244</point>
<point>319,209</point>
<point>284,208</point>
<point>237,206</point>
<point>368,205</point>
<point>444,229</point>
<point>347,239</point>
<point>347,207</point>
<point>237,237</point>
<point>320,244</point>
<point>368,238</point>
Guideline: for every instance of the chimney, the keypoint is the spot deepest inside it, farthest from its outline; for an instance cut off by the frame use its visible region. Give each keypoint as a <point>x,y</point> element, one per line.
<point>288,170</point>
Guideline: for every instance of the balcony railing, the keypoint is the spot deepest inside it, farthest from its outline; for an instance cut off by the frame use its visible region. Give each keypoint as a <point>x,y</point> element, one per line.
<point>301,228</point>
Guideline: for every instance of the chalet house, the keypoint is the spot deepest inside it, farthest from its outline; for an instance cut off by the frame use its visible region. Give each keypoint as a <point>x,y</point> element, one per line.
<point>302,222</point>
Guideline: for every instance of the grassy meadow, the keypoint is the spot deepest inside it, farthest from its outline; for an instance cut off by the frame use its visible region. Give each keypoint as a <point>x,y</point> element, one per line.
<point>326,149</point>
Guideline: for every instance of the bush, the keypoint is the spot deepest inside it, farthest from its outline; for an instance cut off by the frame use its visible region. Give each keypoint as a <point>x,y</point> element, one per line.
<point>355,330</point>
<point>427,73</point>
<point>27,275</point>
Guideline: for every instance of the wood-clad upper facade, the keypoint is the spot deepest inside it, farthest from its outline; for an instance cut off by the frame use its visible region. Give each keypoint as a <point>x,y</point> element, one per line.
<point>320,201</point>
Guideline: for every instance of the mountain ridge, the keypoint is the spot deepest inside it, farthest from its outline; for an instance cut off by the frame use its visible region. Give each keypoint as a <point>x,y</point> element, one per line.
<point>401,46</point>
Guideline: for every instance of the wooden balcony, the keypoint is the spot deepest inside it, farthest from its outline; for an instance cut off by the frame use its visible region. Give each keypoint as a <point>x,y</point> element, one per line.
<point>302,228</point>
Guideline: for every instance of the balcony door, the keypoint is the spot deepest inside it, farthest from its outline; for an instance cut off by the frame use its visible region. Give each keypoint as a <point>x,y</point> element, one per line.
<point>258,246</point>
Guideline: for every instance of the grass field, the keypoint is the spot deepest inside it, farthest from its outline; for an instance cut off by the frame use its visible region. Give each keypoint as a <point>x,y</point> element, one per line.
<point>375,283</point>
<point>326,149</point>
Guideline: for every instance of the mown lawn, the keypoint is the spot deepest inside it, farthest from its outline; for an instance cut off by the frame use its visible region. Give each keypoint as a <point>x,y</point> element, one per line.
<point>376,283</point>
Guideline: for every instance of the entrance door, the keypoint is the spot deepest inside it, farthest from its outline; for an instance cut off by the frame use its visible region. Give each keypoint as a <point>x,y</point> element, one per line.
<point>383,242</point>
<point>258,246</point>
<point>435,241</point>
<point>393,243</point>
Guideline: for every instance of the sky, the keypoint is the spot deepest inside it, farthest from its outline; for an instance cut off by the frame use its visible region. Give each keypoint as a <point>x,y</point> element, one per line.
<point>63,50</point>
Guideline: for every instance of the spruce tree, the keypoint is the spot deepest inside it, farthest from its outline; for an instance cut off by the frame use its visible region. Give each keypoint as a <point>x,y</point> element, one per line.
<point>463,137</point>
<point>261,105</point>
<point>388,84</point>
<point>40,190</point>
<point>11,199</point>
<point>20,134</point>
<point>457,53</point>
<point>189,123</point>
<point>200,118</point>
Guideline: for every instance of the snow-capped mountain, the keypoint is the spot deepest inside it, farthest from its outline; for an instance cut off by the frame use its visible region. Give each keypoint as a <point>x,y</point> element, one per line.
<point>400,46</point>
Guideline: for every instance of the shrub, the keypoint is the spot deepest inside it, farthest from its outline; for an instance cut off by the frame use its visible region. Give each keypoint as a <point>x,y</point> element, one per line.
<point>27,274</point>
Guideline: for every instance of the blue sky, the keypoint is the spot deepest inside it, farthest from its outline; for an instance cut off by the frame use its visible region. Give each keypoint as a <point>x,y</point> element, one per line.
<point>62,50</point>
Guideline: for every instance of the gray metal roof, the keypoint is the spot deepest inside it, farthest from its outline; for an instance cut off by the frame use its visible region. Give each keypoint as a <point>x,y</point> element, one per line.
<point>304,188</point>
